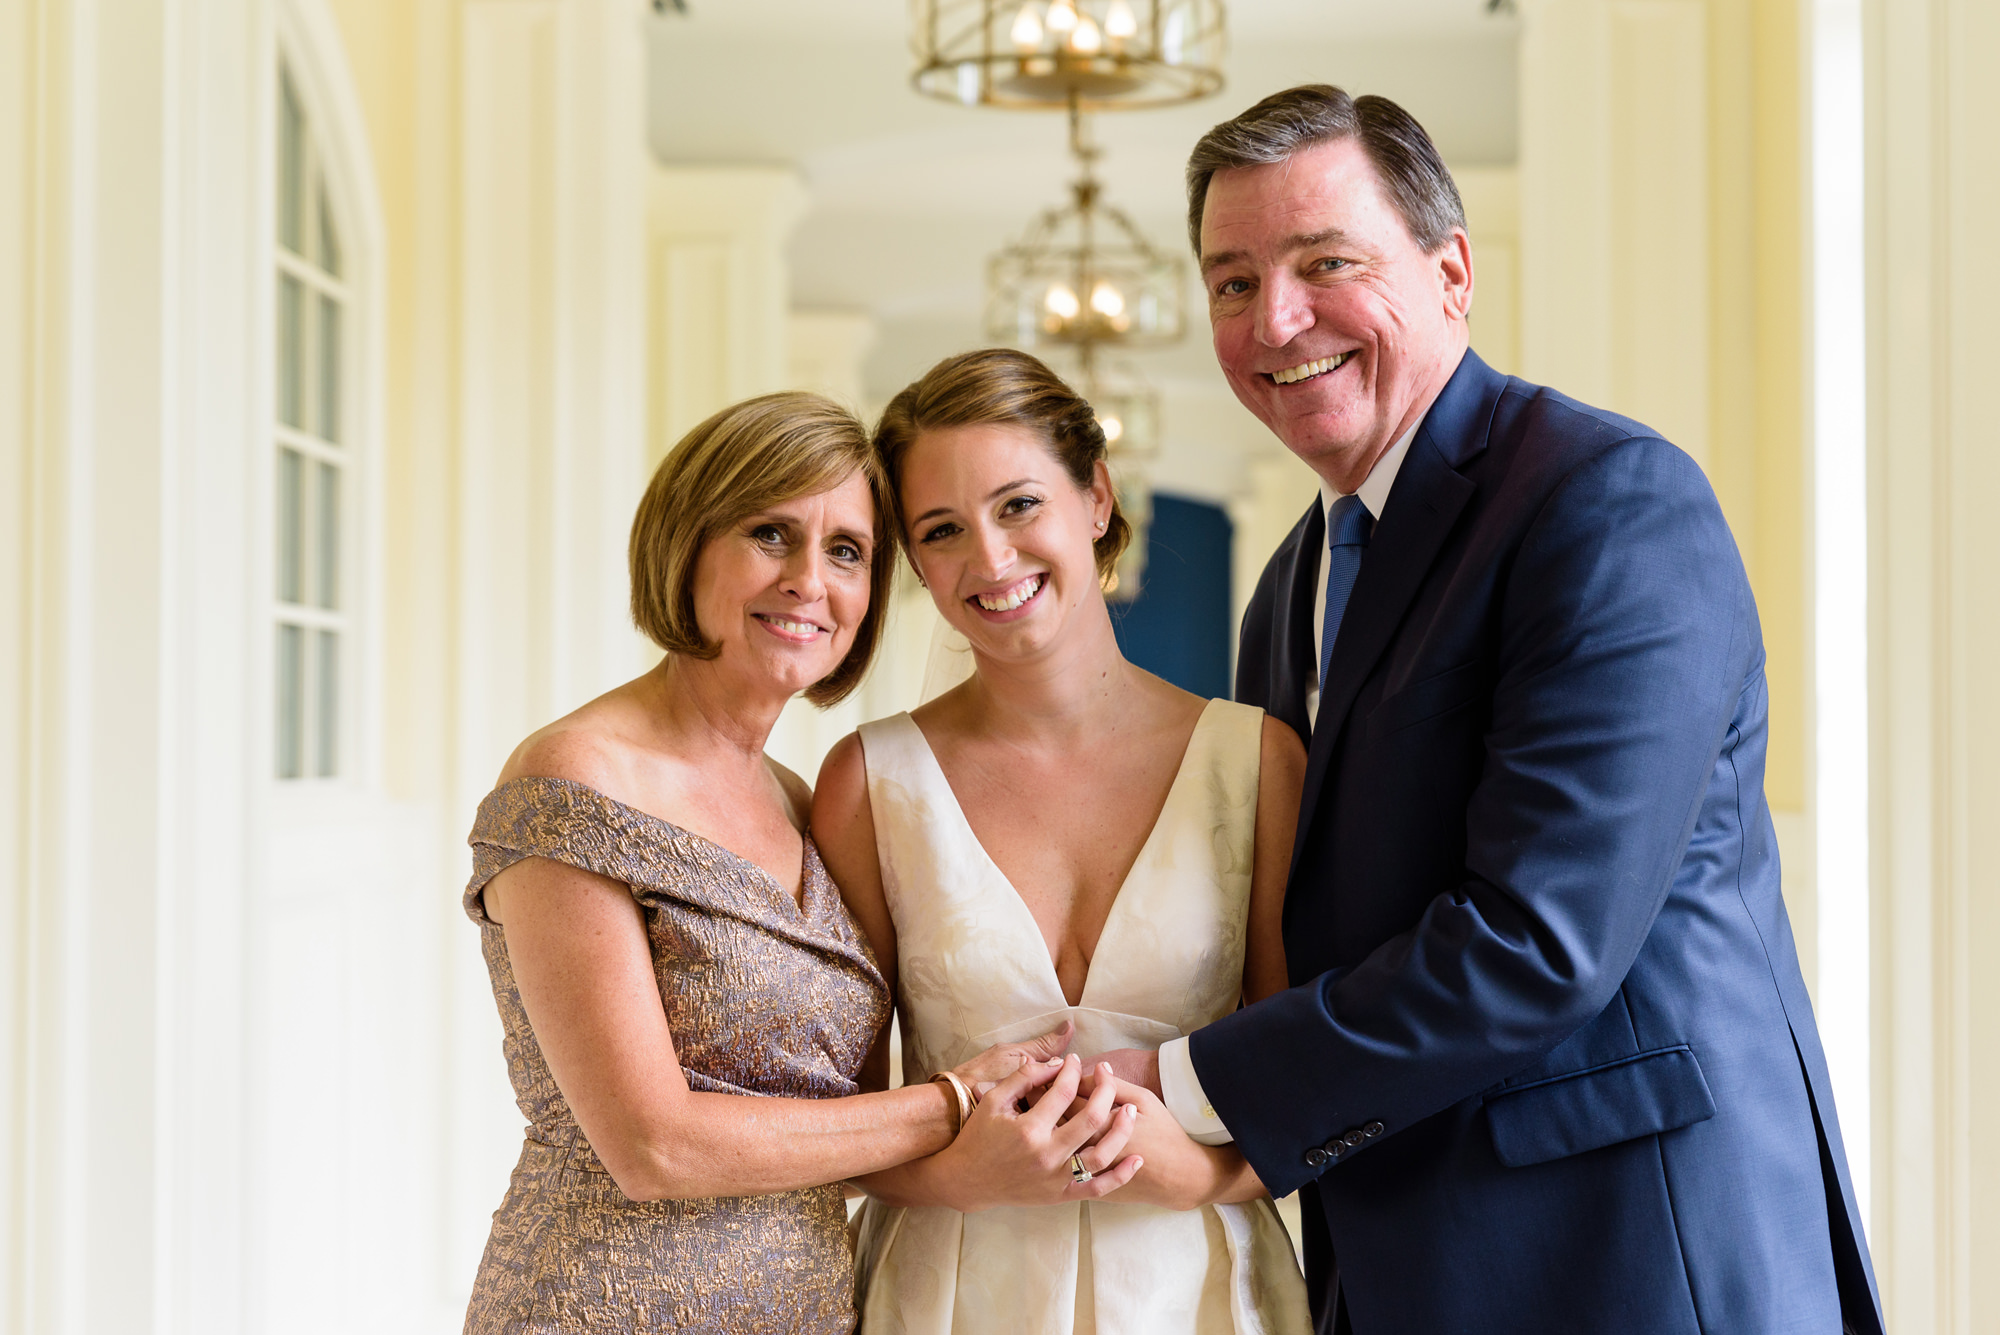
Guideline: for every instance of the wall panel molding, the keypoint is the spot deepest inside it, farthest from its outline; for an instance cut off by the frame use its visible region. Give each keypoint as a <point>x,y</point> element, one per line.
<point>1934,457</point>
<point>720,290</point>
<point>547,457</point>
<point>1662,265</point>
<point>128,436</point>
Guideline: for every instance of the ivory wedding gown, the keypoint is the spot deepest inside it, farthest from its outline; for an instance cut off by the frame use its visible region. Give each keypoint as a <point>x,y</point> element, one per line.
<point>974,971</point>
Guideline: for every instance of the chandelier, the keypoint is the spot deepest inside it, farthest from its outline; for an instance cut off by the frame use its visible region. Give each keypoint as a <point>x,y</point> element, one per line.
<point>1083,280</point>
<point>1128,410</point>
<point>1083,276</point>
<point>1097,55</point>
<point>1087,284</point>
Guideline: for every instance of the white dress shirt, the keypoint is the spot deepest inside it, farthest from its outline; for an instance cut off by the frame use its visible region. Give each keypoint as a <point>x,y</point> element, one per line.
<point>1180,1088</point>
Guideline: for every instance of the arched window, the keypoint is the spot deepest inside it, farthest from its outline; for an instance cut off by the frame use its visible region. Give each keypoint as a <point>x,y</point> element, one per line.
<point>312,518</point>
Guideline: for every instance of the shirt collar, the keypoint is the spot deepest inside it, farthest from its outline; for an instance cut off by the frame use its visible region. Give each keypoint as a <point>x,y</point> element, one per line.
<point>1374,489</point>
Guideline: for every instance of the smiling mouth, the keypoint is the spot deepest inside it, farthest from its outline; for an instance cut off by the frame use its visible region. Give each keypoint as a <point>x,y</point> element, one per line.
<point>1010,598</point>
<point>803,630</point>
<point>1304,371</point>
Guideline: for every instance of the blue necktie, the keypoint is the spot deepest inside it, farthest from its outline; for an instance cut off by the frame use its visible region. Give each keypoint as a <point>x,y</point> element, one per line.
<point>1348,524</point>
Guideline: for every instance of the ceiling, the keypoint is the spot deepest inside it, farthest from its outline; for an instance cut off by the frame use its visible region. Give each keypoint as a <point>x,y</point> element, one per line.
<point>909,195</point>
<point>1253,20</point>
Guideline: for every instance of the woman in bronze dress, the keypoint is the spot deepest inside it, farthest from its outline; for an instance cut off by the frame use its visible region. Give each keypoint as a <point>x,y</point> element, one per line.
<point>686,1003</point>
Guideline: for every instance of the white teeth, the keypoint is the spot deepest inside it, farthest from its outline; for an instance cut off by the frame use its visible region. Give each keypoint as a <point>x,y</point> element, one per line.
<point>1292,375</point>
<point>1013,598</point>
<point>794,627</point>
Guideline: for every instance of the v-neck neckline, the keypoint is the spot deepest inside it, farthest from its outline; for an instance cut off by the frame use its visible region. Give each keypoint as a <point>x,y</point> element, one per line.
<point>1013,892</point>
<point>800,906</point>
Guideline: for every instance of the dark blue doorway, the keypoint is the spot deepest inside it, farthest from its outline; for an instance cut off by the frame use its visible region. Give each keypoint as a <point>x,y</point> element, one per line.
<point>1178,626</point>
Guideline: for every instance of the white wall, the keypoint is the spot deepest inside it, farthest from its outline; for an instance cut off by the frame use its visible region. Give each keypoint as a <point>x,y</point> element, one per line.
<point>197,960</point>
<point>242,1083</point>
<point>1932,190</point>
<point>124,433</point>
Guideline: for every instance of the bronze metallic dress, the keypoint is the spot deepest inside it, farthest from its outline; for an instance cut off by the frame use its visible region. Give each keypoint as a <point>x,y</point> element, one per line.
<point>763,997</point>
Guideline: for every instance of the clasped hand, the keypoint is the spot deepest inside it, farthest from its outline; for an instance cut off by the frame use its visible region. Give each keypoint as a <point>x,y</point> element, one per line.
<point>1016,1147</point>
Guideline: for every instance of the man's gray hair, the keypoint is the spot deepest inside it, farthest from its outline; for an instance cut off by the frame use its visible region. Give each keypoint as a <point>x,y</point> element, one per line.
<point>1412,174</point>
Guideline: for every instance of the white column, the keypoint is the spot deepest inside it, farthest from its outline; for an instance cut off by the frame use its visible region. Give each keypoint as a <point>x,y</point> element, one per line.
<point>1840,578</point>
<point>720,290</point>
<point>827,351</point>
<point>1614,208</point>
<point>1492,198</point>
<point>17,283</point>
<point>551,396</point>
<point>549,458</point>
<point>125,447</point>
<point>1932,191</point>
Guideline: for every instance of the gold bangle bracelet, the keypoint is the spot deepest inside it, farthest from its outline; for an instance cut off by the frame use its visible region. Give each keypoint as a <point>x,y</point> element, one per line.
<point>960,1094</point>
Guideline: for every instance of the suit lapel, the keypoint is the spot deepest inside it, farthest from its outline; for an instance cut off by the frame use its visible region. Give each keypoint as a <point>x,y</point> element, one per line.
<point>1419,515</point>
<point>1294,660</point>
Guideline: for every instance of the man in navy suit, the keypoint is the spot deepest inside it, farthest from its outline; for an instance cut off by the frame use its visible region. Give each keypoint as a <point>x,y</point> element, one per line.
<point>1547,1063</point>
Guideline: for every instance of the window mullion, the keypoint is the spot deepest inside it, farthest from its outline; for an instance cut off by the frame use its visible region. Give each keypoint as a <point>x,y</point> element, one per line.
<point>313,618</point>
<point>311,446</point>
<point>313,642</point>
<point>311,275</point>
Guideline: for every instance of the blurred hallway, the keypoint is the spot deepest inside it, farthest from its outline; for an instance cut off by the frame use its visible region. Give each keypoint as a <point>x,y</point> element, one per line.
<point>337,338</point>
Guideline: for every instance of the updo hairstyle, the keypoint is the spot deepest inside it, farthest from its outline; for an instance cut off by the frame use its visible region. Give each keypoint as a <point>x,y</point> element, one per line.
<point>1002,387</point>
<point>748,458</point>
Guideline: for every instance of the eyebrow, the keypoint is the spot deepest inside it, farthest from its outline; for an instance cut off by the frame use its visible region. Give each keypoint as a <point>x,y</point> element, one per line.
<point>787,517</point>
<point>1296,242</point>
<point>991,495</point>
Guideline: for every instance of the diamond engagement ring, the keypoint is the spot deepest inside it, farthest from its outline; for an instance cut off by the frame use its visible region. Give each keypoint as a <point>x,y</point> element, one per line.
<point>1077,1171</point>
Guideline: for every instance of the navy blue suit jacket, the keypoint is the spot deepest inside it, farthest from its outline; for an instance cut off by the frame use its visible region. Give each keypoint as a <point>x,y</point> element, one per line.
<point>1548,1062</point>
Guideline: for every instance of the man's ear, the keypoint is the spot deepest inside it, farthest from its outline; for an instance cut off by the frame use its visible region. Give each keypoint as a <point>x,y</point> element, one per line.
<point>1454,261</point>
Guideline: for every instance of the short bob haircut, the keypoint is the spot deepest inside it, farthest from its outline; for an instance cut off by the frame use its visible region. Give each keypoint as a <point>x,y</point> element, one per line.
<point>748,458</point>
<point>1002,387</point>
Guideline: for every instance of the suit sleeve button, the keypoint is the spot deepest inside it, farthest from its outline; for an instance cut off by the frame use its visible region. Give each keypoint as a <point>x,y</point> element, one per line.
<point>1372,1130</point>
<point>1352,1140</point>
<point>1316,1157</point>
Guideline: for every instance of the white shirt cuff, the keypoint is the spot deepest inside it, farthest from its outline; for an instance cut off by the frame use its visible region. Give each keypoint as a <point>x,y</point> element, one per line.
<point>1180,1090</point>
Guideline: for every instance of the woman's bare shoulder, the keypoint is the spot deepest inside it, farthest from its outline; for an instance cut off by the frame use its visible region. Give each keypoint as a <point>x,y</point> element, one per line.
<point>594,746</point>
<point>840,813</point>
<point>843,775</point>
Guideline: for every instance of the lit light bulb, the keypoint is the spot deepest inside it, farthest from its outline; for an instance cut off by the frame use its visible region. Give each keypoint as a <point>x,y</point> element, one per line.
<point>1173,42</point>
<point>1119,22</point>
<point>1113,429</point>
<point>1027,32</point>
<point>1086,40</point>
<point>1107,300</point>
<point>968,82</point>
<point>1062,302</point>
<point>1062,15</point>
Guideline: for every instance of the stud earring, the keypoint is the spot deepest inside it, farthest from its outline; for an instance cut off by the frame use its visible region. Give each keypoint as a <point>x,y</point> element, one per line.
<point>1100,526</point>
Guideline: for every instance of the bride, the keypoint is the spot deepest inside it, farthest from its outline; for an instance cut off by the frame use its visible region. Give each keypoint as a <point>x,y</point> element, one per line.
<point>1062,836</point>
